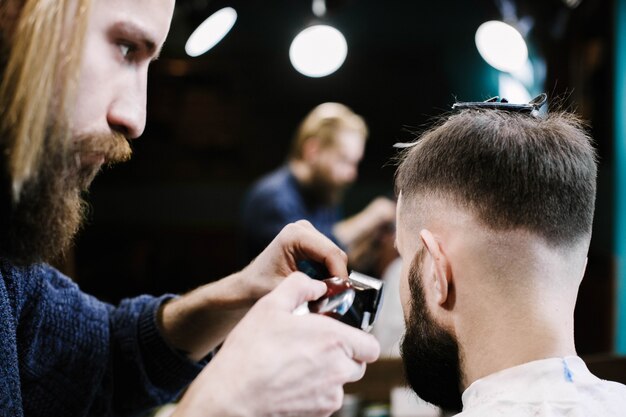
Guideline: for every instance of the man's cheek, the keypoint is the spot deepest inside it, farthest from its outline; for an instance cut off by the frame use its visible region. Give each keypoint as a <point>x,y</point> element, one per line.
<point>405,294</point>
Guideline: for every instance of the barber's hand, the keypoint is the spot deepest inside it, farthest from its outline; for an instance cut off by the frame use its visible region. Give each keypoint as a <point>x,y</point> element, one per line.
<point>381,210</point>
<point>275,363</point>
<point>297,241</point>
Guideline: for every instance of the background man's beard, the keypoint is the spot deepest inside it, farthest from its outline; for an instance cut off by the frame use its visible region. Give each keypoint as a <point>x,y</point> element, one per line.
<point>321,191</point>
<point>42,224</point>
<point>429,352</point>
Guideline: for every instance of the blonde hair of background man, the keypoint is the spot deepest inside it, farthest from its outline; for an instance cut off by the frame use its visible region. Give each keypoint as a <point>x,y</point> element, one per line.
<point>43,48</point>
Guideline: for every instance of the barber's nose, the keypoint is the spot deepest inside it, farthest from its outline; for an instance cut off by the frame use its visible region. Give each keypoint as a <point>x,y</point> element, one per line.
<point>127,113</point>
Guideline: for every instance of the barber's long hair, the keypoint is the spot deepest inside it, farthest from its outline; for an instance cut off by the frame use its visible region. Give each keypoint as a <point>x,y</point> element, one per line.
<point>512,170</point>
<point>42,43</point>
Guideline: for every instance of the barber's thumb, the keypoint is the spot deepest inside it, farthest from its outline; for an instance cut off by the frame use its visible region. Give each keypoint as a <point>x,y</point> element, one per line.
<point>296,289</point>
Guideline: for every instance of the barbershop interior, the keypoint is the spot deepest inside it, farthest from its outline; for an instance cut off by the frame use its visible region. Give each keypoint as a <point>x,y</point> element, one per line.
<point>235,80</point>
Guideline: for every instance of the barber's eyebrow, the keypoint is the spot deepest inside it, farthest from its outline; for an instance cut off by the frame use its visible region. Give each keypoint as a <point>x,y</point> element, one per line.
<point>138,34</point>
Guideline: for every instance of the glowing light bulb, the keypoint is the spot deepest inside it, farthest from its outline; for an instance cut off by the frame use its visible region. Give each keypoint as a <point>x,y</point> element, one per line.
<point>501,45</point>
<point>318,51</point>
<point>211,31</point>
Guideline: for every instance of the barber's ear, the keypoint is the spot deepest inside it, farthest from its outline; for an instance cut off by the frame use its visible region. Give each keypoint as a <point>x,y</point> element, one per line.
<point>442,271</point>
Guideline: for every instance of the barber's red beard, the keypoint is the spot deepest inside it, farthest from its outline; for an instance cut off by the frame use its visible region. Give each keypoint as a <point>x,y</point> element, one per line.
<point>50,211</point>
<point>85,152</point>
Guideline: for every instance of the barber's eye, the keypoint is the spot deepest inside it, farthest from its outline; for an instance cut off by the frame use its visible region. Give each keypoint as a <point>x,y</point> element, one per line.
<point>126,49</point>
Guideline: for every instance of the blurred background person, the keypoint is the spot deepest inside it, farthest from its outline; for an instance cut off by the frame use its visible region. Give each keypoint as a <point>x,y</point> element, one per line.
<point>323,162</point>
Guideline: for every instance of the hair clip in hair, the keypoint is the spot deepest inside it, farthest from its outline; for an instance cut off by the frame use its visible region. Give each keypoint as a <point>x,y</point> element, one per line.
<point>496,103</point>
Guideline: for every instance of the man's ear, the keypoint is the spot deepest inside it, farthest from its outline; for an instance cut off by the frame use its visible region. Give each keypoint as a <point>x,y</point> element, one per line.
<point>442,272</point>
<point>310,148</point>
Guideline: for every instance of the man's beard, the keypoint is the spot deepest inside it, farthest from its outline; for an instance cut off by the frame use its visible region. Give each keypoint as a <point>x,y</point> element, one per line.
<point>321,190</point>
<point>41,225</point>
<point>429,352</point>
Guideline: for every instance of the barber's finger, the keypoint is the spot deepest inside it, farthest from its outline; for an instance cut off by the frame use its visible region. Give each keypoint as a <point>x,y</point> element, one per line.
<point>358,370</point>
<point>360,346</point>
<point>296,289</point>
<point>308,243</point>
<point>305,223</point>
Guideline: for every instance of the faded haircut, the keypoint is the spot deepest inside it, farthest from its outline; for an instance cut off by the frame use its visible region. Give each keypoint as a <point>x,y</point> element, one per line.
<point>40,51</point>
<point>511,170</point>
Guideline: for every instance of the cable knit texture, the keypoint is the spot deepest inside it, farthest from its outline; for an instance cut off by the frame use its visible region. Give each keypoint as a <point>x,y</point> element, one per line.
<point>64,353</point>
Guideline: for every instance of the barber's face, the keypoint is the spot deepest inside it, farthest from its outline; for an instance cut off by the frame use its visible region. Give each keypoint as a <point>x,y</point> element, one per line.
<point>123,37</point>
<point>430,352</point>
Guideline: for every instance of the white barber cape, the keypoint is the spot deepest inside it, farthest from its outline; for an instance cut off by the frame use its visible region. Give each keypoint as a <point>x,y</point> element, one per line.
<point>556,387</point>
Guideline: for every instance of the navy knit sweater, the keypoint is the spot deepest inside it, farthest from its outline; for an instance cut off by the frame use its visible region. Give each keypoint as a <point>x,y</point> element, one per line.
<point>63,353</point>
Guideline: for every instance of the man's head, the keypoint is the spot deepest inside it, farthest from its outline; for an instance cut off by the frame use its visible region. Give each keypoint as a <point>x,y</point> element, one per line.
<point>330,142</point>
<point>495,213</point>
<point>73,91</point>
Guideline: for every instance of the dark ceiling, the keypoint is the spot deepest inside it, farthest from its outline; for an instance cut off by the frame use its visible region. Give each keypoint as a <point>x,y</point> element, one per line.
<point>407,61</point>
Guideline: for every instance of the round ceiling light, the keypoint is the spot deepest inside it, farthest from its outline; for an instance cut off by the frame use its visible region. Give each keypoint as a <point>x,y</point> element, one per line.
<point>318,51</point>
<point>211,31</point>
<point>501,45</point>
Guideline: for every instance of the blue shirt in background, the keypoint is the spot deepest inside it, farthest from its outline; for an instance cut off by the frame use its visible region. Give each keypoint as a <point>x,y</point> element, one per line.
<point>274,201</point>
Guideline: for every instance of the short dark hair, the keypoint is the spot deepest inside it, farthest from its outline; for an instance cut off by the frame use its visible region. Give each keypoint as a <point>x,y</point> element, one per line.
<point>511,170</point>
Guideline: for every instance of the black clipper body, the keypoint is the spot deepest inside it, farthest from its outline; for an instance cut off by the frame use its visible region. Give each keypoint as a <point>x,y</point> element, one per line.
<point>355,302</point>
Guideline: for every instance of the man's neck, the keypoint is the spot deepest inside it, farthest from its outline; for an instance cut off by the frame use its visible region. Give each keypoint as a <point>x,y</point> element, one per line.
<point>512,338</point>
<point>301,171</point>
